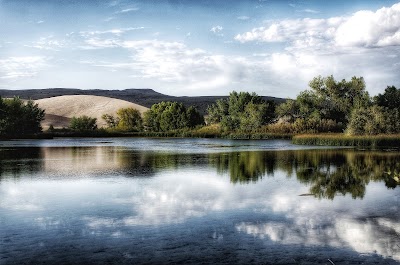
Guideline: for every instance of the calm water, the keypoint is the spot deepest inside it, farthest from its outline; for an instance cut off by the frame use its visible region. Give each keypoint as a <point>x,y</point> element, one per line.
<point>160,201</point>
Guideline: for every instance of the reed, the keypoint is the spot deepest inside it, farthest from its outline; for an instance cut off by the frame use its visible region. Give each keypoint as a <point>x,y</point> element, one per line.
<point>367,141</point>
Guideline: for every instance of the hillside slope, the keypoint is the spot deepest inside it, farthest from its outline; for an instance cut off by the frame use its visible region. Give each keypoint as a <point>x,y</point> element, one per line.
<point>60,110</point>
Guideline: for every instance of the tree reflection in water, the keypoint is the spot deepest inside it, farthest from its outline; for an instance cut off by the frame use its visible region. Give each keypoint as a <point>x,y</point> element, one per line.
<point>17,161</point>
<point>329,173</point>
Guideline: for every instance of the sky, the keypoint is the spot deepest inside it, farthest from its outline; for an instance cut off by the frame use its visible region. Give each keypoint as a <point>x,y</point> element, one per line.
<point>198,47</point>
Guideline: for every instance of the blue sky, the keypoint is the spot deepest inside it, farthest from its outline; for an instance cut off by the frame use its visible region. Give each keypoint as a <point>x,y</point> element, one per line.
<point>203,47</point>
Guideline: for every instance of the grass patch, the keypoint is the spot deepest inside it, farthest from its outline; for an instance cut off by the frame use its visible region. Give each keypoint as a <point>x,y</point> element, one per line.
<point>368,141</point>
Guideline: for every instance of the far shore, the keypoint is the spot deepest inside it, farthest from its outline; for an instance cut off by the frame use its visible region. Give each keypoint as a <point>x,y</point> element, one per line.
<point>327,139</point>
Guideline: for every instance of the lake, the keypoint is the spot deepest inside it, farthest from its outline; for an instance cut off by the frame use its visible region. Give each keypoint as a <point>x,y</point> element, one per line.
<point>196,201</point>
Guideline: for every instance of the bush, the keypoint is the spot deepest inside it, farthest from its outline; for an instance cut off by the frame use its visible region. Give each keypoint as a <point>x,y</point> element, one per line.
<point>129,119</point>
<point>83,123</point>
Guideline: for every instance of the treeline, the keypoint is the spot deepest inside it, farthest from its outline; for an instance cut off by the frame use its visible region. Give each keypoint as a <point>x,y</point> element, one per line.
<point>161,117</point>
<point>341,106</point>
<point>328,106</point>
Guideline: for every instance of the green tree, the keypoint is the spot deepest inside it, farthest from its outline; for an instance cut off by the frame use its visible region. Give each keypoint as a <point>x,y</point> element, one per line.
<point>217,111</point>
<point>234,113</point>
<point>174,117</point>
<point>289,110</point>
<point>194,117</point>
<point>129,119</point>
<point>83,123</point>
<point>335,100</point>
<point>327,106</point>
<point>167,116</point>
<point>389,99</point>
<point>20,118</point>
<point>112,122</point>
<point>374,120</point>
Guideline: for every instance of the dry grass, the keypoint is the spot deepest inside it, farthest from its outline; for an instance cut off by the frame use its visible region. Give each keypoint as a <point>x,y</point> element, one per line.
<point>59,110</point>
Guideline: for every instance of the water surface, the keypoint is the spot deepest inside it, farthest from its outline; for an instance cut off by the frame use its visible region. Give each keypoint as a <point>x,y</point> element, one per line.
<point>146,201</point>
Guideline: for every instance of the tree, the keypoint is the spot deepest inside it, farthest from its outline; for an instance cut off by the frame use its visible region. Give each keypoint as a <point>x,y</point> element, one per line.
<point>335,100</point>
<point>372,120</point>
<point>194,117</point>
<point>234,113</point>
<point>111,121</point>
<point>83,123</point>
<point>289,110</point>
<point>20,118</point>
<point>168,116</point>
<point>217,111</point>
<point>390,99</point>
<point>129,119</point>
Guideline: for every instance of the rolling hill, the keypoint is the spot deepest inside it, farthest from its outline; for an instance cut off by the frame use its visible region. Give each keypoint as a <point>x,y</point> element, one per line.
<point>143,97</point>
<point>59,110</point>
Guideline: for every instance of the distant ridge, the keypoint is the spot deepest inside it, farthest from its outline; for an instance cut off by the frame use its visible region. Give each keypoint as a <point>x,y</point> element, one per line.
<point>141,96</point>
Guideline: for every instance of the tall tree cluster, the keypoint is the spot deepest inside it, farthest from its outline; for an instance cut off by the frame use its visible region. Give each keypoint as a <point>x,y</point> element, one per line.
<point>337,106</point>
<point>241,111</point>
<point>18,117</point>
<point>169,116</point>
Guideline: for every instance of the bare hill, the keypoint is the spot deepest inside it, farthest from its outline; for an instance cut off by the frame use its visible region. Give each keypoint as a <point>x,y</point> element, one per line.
<point>144,97</point>
<point>60,110</point>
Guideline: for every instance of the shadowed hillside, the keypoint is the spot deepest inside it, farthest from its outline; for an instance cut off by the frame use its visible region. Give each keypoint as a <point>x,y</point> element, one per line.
<point>144,97</point>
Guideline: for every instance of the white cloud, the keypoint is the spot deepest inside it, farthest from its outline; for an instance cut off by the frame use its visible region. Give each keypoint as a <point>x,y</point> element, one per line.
<point>116,31</point>
<point>243,18</point>
<point>21,67</point>
<point>109,19</point>
<point>311,31</point>
<point>126,10</point>
<point>193,70</point>
<point>362,29</point>
<point>371,29</point>
<point>174,62</point>
<point>312,11</point>
<point>358,45</point>
<point>217,30</point>
<point>47,43</point>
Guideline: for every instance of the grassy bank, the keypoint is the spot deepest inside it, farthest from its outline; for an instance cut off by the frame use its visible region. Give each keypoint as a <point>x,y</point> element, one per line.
<point>368,141</point>
<point>176,134</point>
<point>337,139</point>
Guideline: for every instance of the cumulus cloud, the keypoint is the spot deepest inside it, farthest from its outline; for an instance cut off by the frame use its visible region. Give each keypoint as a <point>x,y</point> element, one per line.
<point>199,70</point>
<point>371,29</point>
<point>21,67</point>
<point>362,29</point>
<point>174,62</point>
<point>310,31</point>
<point>362,44</point>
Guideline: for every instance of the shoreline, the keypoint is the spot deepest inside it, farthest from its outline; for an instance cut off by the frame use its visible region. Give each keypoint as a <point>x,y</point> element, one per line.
<point>329,139</point>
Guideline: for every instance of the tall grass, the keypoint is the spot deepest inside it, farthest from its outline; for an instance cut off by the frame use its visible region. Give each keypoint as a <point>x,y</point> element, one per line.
<point>368,141</point>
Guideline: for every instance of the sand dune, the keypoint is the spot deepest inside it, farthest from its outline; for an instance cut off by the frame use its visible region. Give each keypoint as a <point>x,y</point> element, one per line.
<point>60,110</point>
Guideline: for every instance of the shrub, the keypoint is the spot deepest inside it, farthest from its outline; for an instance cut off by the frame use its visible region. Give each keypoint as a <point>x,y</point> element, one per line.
<point>83,123</point>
